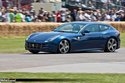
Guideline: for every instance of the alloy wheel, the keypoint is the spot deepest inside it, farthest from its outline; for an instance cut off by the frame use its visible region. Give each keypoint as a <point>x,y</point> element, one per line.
<point>64,46</point>
<point>112,45</point>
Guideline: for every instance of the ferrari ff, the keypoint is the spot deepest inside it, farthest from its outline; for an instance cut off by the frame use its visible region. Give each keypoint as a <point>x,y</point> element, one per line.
<point>75,37</point>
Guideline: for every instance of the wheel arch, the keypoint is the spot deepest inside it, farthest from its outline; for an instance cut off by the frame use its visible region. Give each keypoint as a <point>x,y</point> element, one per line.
<point>112,37</point>
<point>67,40</point>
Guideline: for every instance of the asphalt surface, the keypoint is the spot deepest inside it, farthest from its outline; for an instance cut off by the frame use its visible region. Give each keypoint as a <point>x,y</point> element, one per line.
<point>83,62</point>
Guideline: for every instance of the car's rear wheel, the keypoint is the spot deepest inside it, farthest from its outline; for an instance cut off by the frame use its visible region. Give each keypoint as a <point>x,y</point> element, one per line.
<point>64,46</point>
<point>111,45</point>
<point>34,51</point>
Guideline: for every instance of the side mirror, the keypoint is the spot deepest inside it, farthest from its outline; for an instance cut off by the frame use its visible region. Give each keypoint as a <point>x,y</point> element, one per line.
<point>84,32</point>
<point>53,29</point>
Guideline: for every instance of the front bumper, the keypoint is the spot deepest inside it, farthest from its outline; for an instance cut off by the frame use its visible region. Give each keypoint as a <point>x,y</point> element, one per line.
<point>45,47</point>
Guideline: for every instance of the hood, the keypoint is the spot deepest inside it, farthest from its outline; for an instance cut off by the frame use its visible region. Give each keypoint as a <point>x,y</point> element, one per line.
<point>43,36</point>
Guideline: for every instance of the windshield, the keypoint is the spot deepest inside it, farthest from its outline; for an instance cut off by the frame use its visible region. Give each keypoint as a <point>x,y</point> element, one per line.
<point>70,28</point>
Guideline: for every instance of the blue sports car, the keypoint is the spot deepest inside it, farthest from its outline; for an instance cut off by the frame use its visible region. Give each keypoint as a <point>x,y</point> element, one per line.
<point>74,37</point>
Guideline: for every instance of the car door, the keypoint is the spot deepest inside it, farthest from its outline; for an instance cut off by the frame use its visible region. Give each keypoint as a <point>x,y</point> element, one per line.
<point>91,37</point>
<point>104,29</point>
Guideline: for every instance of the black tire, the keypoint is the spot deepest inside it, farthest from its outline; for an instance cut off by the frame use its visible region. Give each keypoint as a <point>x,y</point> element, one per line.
<point>34,51</point>
<point>64,46</point>
<point>111,45</point>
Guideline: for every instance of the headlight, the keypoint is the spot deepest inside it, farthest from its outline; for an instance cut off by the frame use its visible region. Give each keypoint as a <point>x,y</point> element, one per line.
<point>53,38</point>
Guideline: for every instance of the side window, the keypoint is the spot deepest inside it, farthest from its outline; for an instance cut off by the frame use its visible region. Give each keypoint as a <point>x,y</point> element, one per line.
<point>104,27</point>
<point>67,28</point>
<point>92,28</point>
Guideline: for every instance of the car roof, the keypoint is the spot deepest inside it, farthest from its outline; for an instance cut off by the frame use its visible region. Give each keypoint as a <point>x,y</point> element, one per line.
<point>85,22</point>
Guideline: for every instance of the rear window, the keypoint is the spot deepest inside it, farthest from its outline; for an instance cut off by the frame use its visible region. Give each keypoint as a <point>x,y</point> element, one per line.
<point>92,28</point>
<point>104,27</point>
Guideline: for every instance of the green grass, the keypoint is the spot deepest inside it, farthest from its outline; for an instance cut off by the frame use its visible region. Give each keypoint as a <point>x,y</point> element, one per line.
<point>12,44</point>
<point>81,78</point>
<point>16,44</point>
<point>122,39</point>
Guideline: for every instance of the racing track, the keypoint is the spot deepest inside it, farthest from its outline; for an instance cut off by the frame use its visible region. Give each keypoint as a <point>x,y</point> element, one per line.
<point>45,62</point>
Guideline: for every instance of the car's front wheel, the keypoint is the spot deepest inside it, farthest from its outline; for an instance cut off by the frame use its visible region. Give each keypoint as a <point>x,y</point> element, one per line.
<point>34,51</point>
<point>64,46</point>
<point>111,45</point>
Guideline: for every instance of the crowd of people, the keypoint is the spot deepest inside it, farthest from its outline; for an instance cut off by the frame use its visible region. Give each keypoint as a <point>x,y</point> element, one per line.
<point>64,15</point>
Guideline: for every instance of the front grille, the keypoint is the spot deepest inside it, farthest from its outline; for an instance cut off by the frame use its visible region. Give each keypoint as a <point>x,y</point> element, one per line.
<point>34,45</point>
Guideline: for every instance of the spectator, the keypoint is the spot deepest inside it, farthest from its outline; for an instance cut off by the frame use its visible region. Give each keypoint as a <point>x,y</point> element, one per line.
<point>80,16</point>
<point>63,16</point>
<point>28,18</point>
<point>4,18</point>
<point>88,15</point>
<point>58,16</point>
<point>7,16</point>
<point>0,15</point>
<point>74,14</point>
<point>17,15</point>
<point>11,15</point>
<point>122,17</point>
<point>118,18</point>
<point>53,16</point>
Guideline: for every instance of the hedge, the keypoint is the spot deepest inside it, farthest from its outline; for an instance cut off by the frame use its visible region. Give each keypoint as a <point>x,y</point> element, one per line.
<point>23,29</point>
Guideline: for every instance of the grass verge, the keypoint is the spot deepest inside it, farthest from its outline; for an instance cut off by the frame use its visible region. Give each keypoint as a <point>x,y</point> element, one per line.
<point>81,78</point>
<point>122,39</point>
<point>12,44</point>
<point>16,44</point>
